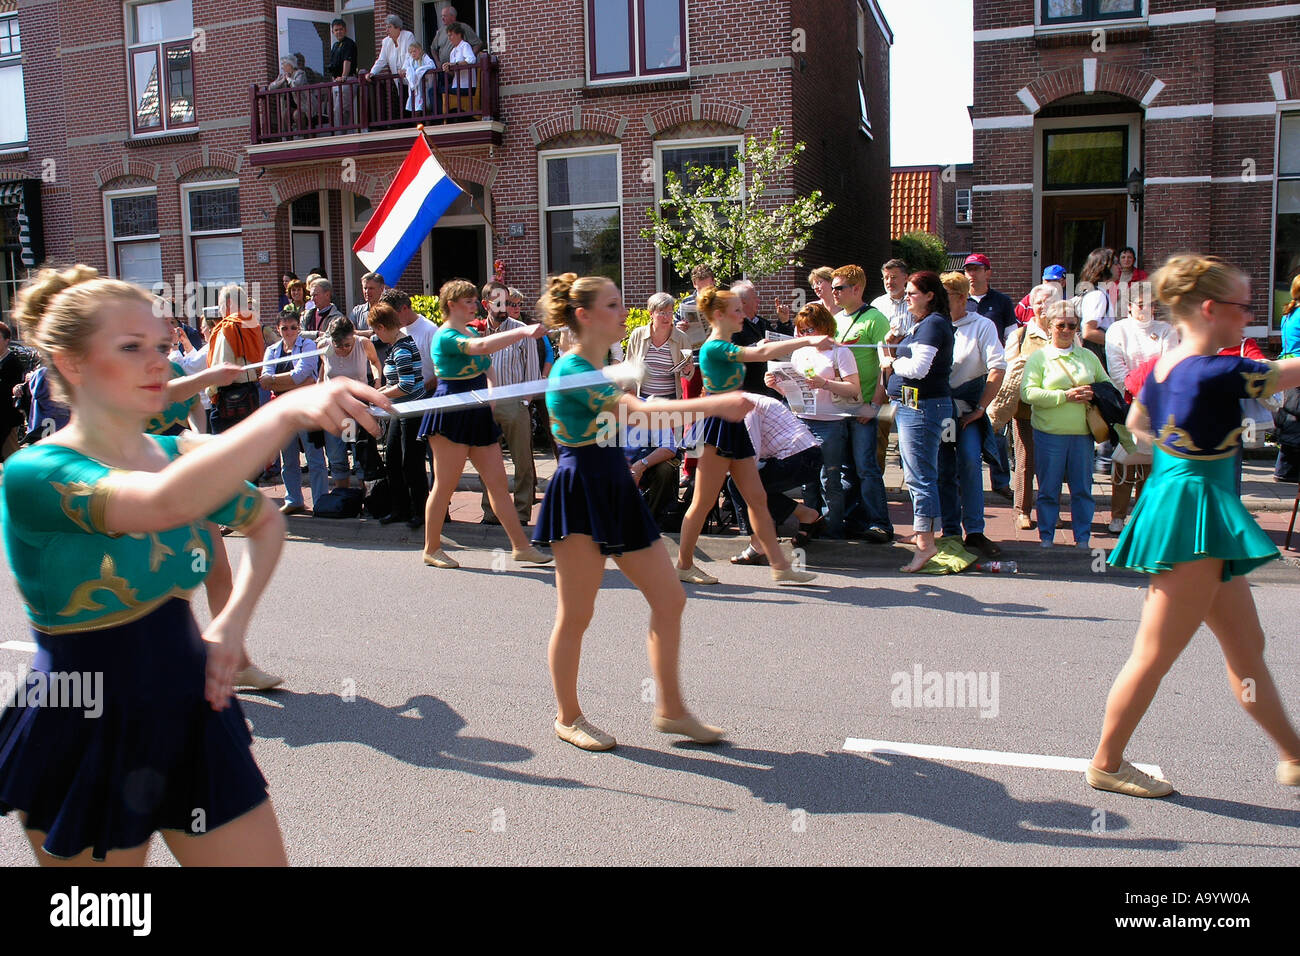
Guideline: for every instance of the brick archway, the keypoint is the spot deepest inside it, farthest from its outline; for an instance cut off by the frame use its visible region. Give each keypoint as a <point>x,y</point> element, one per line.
<point>1091,75</point>
<point>577,119</point>
<point>698,109</point>
<point>332,176</point>
<point>127,166</point>
<point>207,158</point>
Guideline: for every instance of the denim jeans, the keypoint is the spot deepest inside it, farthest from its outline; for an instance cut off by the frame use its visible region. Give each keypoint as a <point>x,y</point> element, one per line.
<point>864,483</point>
<point>961,480</point>
<point>826,494</point>
<point>1064,459</point>
<point>336,452</point>
<point>995,446</point>
<point>291,471</point>
<point>919,430</point>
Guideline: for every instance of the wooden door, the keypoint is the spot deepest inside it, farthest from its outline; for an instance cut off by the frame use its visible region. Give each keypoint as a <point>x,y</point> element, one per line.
<point>1075,225</point>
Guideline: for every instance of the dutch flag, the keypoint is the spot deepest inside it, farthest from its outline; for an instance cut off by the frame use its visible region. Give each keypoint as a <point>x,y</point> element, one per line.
<point>412,206</point>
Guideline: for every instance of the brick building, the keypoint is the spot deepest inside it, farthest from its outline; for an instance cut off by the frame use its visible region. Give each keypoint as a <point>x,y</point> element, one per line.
<point>934,199</point>
<point>1192,105</point>
<point>153,150</point>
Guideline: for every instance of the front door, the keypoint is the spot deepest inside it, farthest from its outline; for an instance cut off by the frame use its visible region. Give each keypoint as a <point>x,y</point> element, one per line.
<point>1075,225</point>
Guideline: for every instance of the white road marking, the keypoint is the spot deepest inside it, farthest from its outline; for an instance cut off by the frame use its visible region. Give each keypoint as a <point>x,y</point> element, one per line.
<point>18,646</point>
<point>967,755</point>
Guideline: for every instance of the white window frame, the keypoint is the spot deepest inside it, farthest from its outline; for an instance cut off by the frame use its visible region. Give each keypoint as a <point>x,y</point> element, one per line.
<point>322,197</point>
<point>543,202</point>
<point>111,242</point>
<point>187,232</point>
<point>1285,108</point>
<point>161,46</point>
<point>8,61</point>
<point>970,217</point>
<point>661,146</point>
<point>864,116</point>
<point>638,75</point>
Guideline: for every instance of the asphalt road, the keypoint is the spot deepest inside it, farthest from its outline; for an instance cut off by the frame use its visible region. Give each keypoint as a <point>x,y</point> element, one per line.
<point>447,756</point>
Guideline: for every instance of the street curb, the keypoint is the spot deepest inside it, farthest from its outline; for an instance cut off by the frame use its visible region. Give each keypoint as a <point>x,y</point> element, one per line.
<point>1061,562</point>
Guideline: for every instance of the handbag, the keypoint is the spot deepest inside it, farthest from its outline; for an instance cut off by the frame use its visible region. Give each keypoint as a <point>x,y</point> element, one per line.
<point>1006,404</point>
<point>236,402</point>
<point>1096,423</point>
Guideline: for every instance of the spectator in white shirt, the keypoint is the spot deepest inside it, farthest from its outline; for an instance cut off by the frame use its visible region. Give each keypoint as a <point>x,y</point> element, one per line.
<point>893,304</point>
<point>461,55</point>
<point>442,43</point>
<point>788,456</point>
<point>418,64</point>
<point>395,49</point>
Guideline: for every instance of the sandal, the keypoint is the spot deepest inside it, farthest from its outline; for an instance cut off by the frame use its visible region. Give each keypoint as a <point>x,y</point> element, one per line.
<point>750,556</point>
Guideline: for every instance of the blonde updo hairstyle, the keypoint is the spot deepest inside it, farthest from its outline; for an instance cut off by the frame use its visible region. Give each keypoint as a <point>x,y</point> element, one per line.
<point>564,295</point>
<point>712,301</point>
<point>61,310</point>
<point>1189,279</point>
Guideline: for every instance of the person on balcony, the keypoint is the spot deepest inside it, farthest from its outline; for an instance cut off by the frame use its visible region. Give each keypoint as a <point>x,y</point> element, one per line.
<point>291,74</point>
<point>343,64</point>
<point>460,96</point>
<point>442,41</point>
<point>417,65</point>
<point>395,49</point>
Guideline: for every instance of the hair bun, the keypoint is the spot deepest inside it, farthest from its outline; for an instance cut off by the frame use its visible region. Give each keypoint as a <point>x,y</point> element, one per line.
<point>34,299</point>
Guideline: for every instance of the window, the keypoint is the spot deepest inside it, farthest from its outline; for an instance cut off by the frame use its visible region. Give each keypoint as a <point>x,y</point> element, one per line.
<point>13,122</point>
<point>1083,11</point>
<point>581,205</point>
<point>674,158</point>
<point>963,207</point>
<point>864,118</point>
<point>1286,245</point>
<point>1085,158</point>
<point>212,231</point>
<point>161,69</point>
<point>307,233</point>
<point>134,250</point>
<point>636,38</point>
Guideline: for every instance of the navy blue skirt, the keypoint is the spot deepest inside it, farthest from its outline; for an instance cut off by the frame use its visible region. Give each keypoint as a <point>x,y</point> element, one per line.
<point>142,751</point>
<point>592,493</point>
<point>469,426</point>
<point>731,439</point>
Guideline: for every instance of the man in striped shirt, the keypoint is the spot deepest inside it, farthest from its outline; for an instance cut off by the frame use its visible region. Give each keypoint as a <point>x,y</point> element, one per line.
<point>510,366</point>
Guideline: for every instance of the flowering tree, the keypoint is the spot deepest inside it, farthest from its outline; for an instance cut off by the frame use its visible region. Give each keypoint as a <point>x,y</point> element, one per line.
<point>717,217</point>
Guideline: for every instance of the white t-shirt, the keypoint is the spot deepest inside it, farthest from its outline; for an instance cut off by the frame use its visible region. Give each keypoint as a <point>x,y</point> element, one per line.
<point>831,364</point>
<point>1095,308</point>
<point>423,331</point>
<point>976,350</point>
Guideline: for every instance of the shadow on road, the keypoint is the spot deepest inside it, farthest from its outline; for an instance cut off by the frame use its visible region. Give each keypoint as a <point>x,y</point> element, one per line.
<point>424,732</point>
<point>837,782</point>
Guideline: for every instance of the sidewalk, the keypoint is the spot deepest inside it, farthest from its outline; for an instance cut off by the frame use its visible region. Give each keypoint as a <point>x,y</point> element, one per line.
<point>1270,502</point>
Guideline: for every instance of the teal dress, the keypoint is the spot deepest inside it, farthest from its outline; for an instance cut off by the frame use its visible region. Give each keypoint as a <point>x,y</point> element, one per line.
<point>723,370</point>
<point>109,737</point>
<point>175,418</point>
<point>1190,508</point>
<point>458,372</point>
<point>592,492</point>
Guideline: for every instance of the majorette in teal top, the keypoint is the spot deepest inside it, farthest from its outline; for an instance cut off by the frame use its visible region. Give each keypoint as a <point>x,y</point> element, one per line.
<point>450,358</point>
<point>721,366</point>
<point>575,414</point>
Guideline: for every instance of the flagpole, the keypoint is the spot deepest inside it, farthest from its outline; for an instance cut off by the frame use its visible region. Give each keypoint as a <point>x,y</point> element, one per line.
<point>438,156</point>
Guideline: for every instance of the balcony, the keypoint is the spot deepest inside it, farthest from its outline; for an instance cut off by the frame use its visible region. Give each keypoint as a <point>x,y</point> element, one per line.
<point>364,114</point>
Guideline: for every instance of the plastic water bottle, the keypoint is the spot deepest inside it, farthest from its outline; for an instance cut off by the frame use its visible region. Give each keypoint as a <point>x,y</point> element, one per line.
<point>998,567</point>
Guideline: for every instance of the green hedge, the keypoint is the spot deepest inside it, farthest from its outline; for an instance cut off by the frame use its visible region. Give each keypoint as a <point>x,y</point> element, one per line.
<point>428,306</point>
<point>921,251</point>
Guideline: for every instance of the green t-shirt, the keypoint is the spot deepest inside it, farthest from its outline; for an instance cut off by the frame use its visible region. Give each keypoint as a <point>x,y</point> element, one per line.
<point>76,576</point>
<point>721,366</point>
<point>450,359</point>
<point>867,326</point>
<point>575,413</point>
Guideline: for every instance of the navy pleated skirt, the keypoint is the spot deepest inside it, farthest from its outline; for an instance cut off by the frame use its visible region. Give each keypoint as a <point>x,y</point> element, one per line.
<point>731,439</point>
<point>592,493</point>
<point>469,426</point>
<point>142,752</point>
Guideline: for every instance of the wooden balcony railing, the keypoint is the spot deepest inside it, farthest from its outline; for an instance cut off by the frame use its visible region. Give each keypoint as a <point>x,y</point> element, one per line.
<point>360,104</point>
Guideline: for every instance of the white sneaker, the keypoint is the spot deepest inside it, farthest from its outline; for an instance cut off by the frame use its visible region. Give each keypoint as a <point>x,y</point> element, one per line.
<point>1116,525</point>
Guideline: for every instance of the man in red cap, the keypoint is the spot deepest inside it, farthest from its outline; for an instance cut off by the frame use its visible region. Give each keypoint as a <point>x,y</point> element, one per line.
<point>999,310</point>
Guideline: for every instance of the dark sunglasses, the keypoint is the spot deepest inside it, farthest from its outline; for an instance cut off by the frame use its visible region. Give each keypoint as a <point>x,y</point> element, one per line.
<point>838,288</point>
<point>1067,325</point>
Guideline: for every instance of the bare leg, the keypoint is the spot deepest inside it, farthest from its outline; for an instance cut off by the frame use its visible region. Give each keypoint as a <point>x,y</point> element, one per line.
<point>250,840</point>
<point>710,473</point>
<point>491,468</point>
<point>1177,602</point>
<point>651,571</point>
<point>448,465</point>
<point>220,582</point>
<point>579,566</point>
<point>744,472</point>
<point>925,550</point>
<point>1235,622</point>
